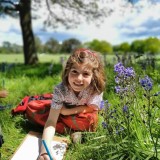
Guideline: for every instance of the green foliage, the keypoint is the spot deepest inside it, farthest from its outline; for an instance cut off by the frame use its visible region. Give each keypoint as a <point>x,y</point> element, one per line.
<point>9,48</point>
<point>69,45</point>
<point>100,46</point>
<point>37,70</point>
<point>152,45</point>
<point>123,47</point>
<point>138,46</point>
<point>51,46</point>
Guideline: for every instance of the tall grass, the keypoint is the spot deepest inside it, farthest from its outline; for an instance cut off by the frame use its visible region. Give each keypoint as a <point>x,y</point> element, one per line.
<point>23,80</point>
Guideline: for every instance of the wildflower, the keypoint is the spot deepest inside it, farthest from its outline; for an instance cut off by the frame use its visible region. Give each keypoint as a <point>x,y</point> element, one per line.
<point>123,72</point>
<point>117,80</point>
<point>117,89</point>
<point>129,72</point>
<point>146,83</point>
<point>104,125</point>
<point>102,105</point>
<point>125,109</point>
<point>119,68</point>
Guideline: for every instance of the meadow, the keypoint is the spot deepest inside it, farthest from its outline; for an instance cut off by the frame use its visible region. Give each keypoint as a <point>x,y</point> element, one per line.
<point>19,58</point>
<point>129,123</point>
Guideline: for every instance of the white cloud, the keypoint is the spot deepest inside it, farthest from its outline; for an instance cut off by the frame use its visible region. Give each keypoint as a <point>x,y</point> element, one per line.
<point>10,31</point>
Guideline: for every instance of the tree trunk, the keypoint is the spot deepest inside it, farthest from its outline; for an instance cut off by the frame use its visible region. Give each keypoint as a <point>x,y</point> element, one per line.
<point>30,55</point>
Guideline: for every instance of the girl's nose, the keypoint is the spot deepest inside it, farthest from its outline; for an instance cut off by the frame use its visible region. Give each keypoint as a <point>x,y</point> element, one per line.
<point>80,77</point>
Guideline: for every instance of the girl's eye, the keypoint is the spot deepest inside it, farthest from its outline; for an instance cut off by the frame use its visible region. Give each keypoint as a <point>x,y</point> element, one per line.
<point>86,74</point>
<point>74,71</point>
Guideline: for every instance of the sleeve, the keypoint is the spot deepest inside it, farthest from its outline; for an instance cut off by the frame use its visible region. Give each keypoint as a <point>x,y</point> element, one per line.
<point>96,100</point>
<point>57,100</point>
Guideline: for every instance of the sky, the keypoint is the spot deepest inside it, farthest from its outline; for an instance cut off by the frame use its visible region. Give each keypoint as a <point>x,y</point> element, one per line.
<point>115,29</point>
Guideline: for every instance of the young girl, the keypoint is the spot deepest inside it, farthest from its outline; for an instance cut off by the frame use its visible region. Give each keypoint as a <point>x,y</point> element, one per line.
<point>79,95</point>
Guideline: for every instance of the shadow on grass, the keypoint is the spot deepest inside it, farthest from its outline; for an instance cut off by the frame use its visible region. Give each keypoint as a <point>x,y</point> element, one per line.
<point>27,126</point>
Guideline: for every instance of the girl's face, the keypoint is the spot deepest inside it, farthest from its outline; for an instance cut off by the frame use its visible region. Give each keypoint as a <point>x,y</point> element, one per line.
<point>79,77</point>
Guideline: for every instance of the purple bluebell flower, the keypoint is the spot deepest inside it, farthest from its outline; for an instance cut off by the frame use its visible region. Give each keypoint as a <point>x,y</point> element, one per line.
<point>119,66</point>
<point>123,74</point>
<point>101,105</point>
<point>104,104</point>
<point>104,125</point>
<point>117,80</point>
<point>120,69</point>
<point>129,72</point>
<point>146,83</point>
<point>125,109</point>
<point>117,89</point>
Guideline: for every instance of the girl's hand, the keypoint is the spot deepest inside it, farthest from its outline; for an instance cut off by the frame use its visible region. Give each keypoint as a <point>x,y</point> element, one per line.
<point>44,156</point>
<point>78,109</point>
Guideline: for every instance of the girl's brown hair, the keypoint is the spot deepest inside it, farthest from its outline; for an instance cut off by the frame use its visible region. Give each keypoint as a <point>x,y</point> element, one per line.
<point>89,59</point>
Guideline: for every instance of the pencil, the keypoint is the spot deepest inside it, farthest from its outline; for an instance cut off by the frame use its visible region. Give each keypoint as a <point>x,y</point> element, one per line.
<point>47,150</point>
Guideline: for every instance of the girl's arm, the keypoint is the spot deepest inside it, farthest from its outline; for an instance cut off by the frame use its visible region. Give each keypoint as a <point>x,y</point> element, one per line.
<point>49,132</point>
<point>78,109</point>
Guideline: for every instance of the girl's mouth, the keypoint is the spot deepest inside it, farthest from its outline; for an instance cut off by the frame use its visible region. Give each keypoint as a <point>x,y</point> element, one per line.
<point>78,84</point>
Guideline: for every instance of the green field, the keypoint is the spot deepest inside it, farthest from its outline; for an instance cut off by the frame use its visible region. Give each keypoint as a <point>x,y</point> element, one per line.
<point>50,58</point>
<point>56,58</point>
<point>19,58</point>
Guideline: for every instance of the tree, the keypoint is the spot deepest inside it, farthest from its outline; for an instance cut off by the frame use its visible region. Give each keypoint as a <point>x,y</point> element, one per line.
<point>52,46</point>
<point>152,46</point>
<point>69,45</point>
<point>7,47</point>
<point>100,46</point>
<point>23,7</point>
<point>38,44</point>
<point>138,46</point>
<point>124,47</point>
<point>68,13</point>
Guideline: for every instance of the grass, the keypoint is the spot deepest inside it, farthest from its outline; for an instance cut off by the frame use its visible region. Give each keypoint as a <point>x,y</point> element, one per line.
<point>43,58</point>
<point>23,80</point>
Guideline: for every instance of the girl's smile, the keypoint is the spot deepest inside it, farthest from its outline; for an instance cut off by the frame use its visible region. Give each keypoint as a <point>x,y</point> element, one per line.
<point>79,77</point>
